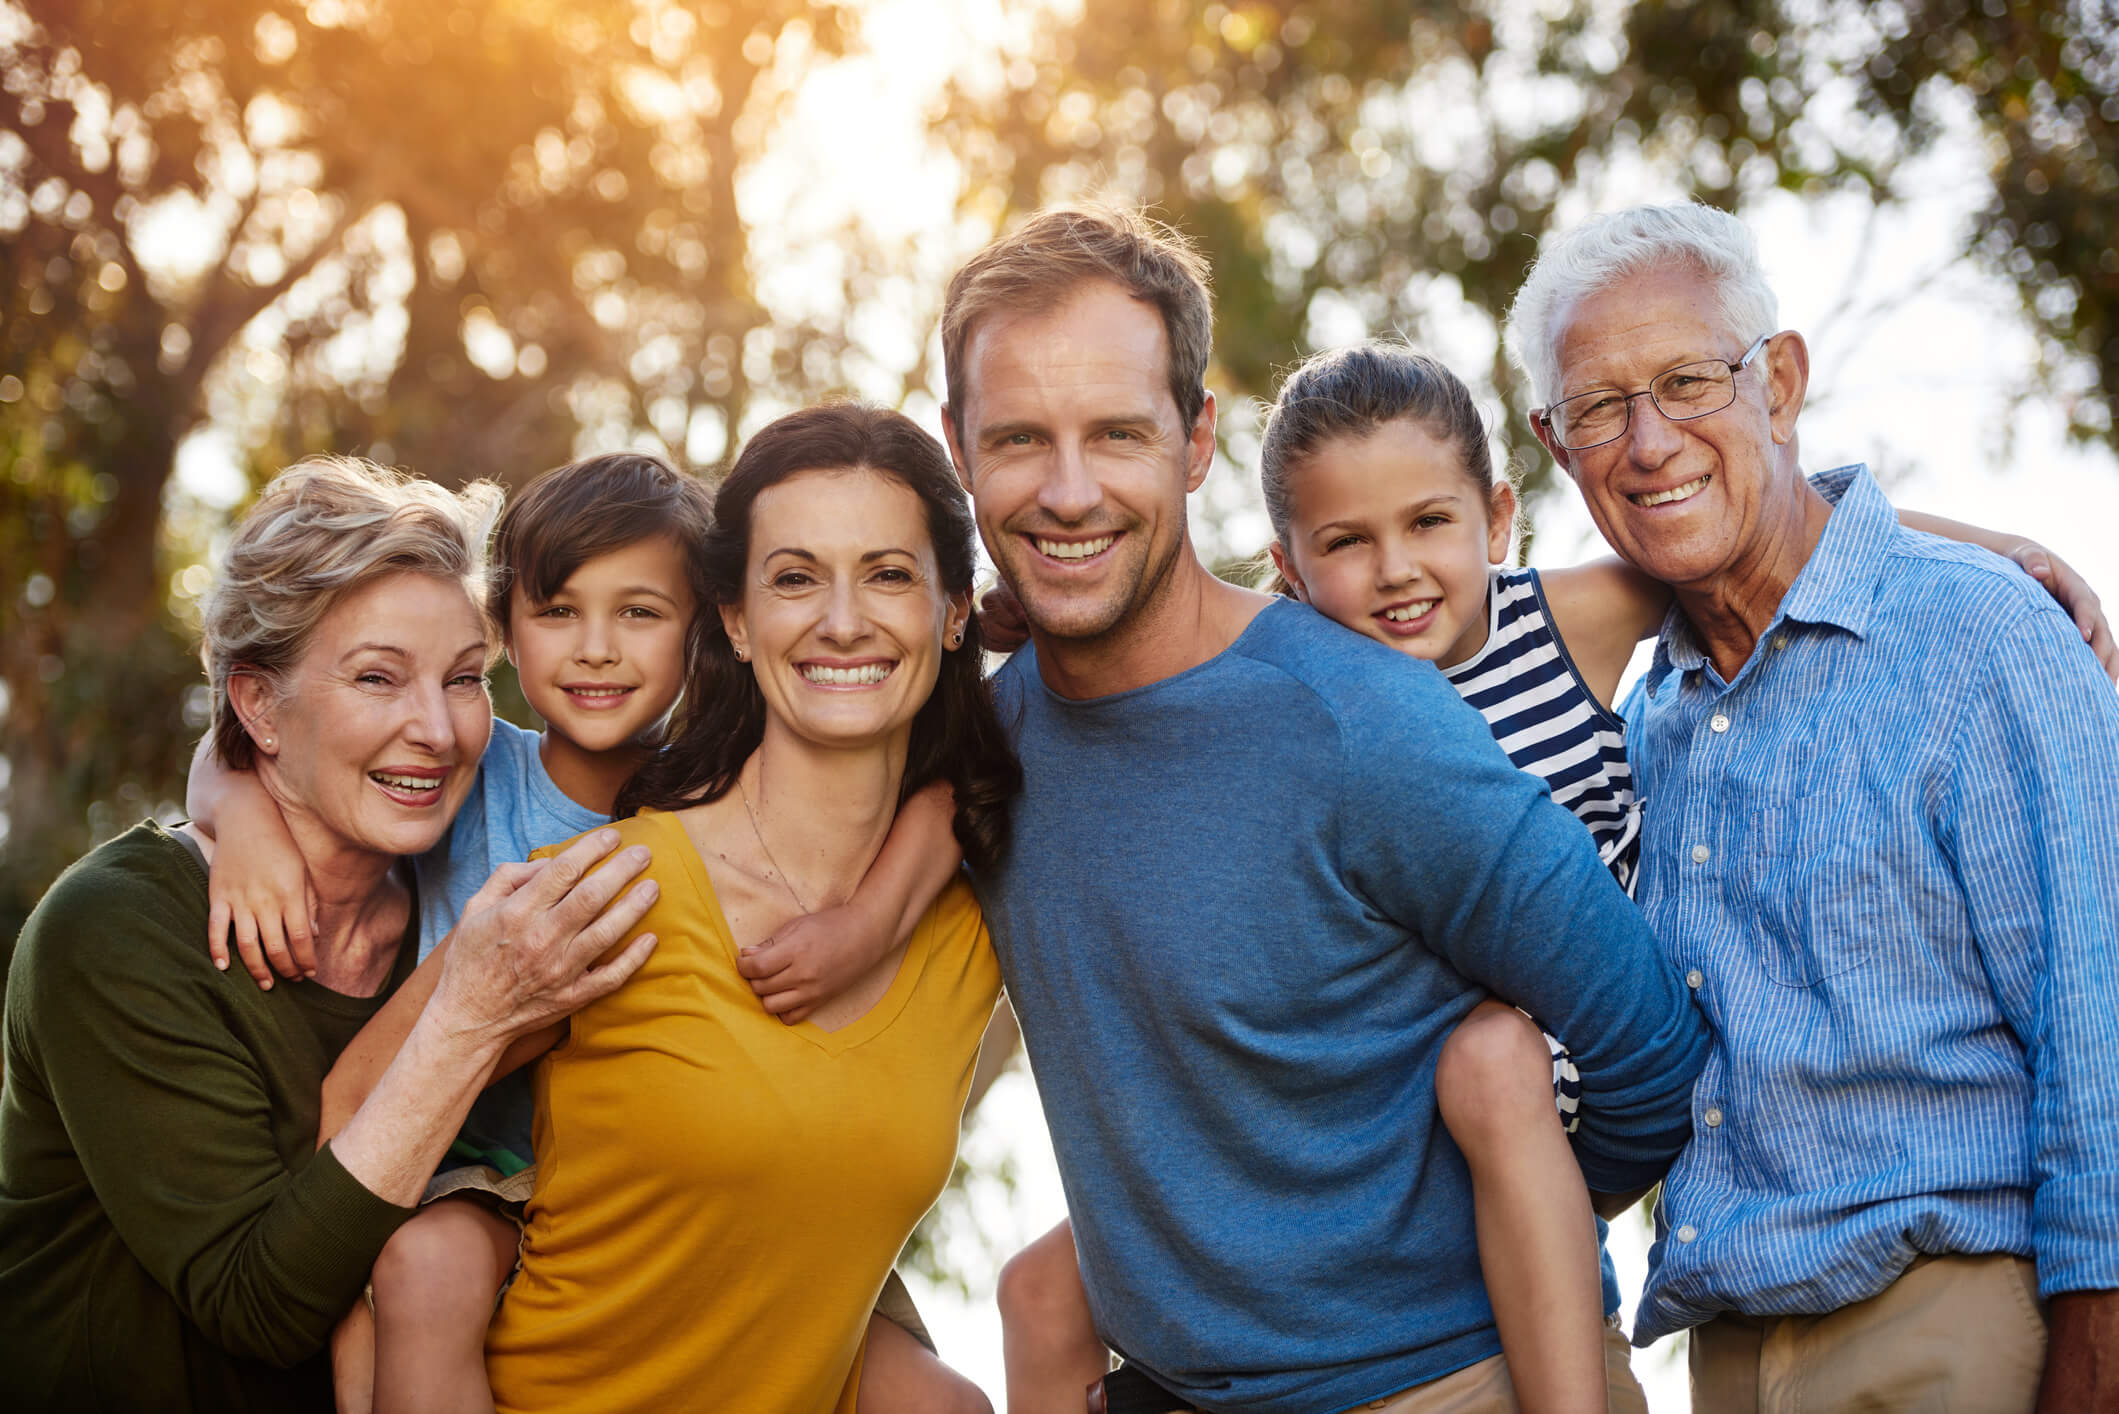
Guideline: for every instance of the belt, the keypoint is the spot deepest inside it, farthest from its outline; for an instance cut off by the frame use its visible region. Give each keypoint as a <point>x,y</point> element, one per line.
<point>1130,1390</point>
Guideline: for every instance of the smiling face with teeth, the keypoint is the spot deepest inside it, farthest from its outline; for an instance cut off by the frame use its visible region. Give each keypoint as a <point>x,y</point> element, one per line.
<point>843,615</point>
<point>1079,462</point>
<point>1389,536</point>
<point>1703,504</point>
<point>602,661</point>
<point>376,733</point>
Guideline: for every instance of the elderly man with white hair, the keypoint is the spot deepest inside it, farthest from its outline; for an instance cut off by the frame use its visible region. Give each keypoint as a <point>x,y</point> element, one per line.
<point>1883,851</point>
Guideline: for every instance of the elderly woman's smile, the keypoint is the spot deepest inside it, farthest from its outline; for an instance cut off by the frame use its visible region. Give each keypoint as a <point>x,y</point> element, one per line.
<point>379,735</point>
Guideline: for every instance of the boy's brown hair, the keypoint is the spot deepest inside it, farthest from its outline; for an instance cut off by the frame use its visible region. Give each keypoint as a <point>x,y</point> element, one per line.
<point>1041,262</point>
<point>574,513</point>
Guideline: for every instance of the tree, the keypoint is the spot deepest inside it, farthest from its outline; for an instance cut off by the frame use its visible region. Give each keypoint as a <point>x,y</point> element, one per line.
<point>2038,81</point>
<point>1329,155</point>
<point>459,234</point>
<point>1353,166</point>
<point>471,237</point>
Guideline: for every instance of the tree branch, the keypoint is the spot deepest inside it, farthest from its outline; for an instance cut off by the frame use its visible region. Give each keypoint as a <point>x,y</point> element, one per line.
<point>230,305</point>
<point>52,149</point>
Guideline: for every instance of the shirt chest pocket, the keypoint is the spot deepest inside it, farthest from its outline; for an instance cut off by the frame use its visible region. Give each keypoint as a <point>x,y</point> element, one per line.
<point>1815,883</point>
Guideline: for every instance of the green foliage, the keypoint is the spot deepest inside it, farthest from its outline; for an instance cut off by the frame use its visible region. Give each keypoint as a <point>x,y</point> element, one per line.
<point>467,236</point>
<point>2040,82</point>
<point>476,237</point>
<point>1398,162</point>
<point>1331,157</point>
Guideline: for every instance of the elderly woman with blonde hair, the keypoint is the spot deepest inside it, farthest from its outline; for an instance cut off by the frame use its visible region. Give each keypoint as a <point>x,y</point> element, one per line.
<point>171,1235</point>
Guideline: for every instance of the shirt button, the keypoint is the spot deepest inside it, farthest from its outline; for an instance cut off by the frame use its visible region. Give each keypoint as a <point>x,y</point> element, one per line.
<point>1695,979</point>
<point>1713,1118</point>
<point>1719,721</point>
<point>1701,854</point>
<point>1686,1233</point>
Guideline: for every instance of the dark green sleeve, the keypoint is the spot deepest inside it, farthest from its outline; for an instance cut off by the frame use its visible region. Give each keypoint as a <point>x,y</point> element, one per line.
<point>173,1121</point>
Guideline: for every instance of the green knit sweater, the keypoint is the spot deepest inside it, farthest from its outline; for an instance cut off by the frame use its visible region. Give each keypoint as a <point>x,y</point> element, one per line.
<point>170,1236</point>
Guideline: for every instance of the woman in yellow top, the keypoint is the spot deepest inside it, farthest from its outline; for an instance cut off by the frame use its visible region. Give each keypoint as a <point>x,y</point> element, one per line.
<point>719,1196</point>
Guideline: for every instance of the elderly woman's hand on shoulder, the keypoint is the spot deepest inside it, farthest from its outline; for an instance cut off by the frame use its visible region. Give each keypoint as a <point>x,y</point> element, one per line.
<point>529,952</point>
<point>525,954</point>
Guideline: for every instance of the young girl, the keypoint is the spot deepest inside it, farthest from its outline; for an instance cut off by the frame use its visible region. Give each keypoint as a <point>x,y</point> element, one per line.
<point>1388,517</point>
<point>597,583</point>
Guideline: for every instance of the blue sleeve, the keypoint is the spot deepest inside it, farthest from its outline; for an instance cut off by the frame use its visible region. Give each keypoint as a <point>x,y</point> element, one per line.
<point>2031,818</point>
<point>445,871</point>
<point>1443,835</point>
<point>480,837</point>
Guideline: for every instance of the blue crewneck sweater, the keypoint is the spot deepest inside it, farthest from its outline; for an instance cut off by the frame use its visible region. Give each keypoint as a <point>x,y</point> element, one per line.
<point>1242,909</point>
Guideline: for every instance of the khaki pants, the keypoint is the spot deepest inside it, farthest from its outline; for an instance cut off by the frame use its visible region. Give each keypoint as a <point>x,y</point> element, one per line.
<point>1962,1334</point>
<point>1484,1388</point>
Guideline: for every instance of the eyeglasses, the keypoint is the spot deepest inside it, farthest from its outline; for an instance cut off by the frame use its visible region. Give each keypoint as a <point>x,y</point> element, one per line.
<point>1690,390</point>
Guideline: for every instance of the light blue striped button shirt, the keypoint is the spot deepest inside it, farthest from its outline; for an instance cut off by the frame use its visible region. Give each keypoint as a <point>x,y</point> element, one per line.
<point>1886,858</point>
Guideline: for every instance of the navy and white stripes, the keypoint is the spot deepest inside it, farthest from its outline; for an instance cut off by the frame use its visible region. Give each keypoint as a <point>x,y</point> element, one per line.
<point>1548,721</point>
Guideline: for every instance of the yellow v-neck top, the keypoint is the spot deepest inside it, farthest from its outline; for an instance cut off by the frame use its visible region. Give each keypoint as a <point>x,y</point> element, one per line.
<point>719,1196</point>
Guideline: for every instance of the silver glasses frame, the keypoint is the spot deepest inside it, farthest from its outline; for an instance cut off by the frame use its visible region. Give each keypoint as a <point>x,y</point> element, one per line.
<point>1545,417</point>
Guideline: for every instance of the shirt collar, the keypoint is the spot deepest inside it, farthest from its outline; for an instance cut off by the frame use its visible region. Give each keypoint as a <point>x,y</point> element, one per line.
<point>1836,586</point>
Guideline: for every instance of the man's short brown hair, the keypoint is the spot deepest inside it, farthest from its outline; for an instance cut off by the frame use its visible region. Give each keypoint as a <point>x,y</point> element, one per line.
<point>1041,262</point>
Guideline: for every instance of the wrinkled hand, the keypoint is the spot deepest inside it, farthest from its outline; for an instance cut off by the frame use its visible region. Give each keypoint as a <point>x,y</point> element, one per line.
<point>265,897</point>
<point>525,953</point>
<point>812,960</point>
<point>2073,593</point>
<point>1003,626</point>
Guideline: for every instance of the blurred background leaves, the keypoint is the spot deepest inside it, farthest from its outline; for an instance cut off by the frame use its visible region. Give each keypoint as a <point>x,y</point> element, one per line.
<point>477,239</point>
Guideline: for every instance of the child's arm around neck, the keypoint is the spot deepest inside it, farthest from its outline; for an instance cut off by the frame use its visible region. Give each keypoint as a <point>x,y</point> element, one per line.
<point>1602,609</point>
<point>259,887</point>
<point>816,957</point>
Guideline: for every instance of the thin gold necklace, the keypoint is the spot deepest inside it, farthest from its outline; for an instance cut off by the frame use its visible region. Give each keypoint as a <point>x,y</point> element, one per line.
<point>751,814</point>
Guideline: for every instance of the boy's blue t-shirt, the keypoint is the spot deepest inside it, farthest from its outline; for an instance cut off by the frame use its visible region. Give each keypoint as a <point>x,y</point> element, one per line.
<point>1241,910</point>
<point>513,808</point>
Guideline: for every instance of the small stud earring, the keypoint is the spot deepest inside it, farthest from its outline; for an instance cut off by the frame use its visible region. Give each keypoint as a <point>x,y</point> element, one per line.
<point>956,640</point>
<point>743,655</point>
<point>268,741</point>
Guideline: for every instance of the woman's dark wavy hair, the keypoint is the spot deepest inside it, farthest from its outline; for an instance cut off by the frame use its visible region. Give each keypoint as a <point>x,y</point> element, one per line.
<point>955,737</point>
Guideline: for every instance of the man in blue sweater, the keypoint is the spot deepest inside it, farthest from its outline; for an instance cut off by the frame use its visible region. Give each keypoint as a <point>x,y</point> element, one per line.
<point>1261,868</point>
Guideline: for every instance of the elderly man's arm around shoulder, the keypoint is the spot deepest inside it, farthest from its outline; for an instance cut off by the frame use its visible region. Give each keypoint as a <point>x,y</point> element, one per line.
<point>2032,818</point>
<point>1445,835</point>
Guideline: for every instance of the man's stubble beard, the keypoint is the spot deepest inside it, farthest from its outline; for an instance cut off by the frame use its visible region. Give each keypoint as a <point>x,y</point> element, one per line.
<point>1109,631</point>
